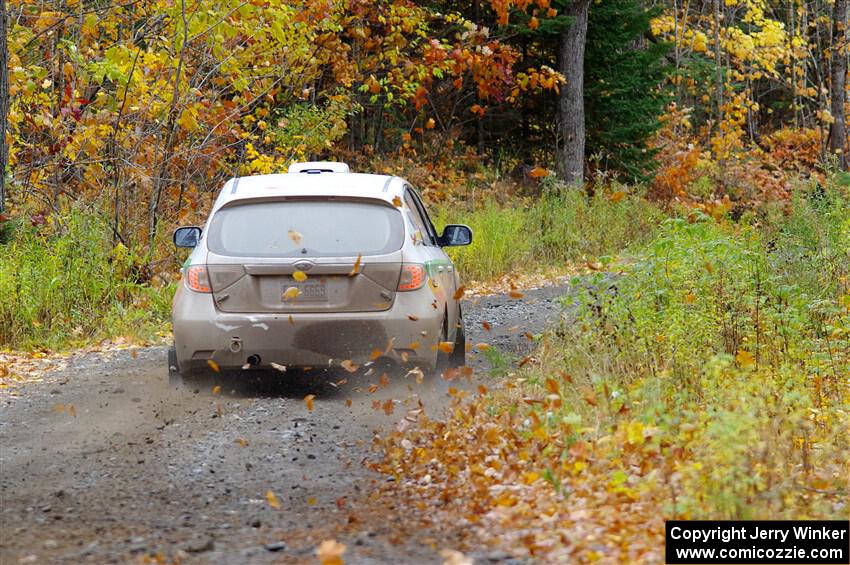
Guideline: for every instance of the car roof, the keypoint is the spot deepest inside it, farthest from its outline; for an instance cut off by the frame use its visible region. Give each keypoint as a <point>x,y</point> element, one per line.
<point>381,187</point>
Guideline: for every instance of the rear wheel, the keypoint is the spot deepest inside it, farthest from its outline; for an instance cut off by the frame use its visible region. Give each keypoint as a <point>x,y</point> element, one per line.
<point>443,358</point>
<point>174,376</point>
<point>458,355</point>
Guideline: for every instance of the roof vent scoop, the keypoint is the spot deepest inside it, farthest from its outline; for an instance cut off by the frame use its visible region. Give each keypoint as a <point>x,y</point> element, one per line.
<point>317,167</point>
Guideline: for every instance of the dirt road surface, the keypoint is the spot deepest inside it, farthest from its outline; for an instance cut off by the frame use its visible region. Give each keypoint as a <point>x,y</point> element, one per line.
<point>104,462</point>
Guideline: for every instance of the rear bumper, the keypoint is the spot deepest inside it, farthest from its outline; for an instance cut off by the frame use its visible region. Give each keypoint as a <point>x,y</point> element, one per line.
<point>203,333</point>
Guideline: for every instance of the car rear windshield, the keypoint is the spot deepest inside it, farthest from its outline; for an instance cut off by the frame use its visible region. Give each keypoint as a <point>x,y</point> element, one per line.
<point>322,228</point>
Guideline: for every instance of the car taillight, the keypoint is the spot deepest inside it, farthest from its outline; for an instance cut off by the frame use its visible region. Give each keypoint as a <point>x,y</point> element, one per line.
<point>197,279</point>
<point>412,277</point>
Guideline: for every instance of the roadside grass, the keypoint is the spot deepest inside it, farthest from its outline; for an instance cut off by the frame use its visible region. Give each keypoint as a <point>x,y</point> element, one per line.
<point>556,229</point>
<point>709,380</point>
<point>66,285</point>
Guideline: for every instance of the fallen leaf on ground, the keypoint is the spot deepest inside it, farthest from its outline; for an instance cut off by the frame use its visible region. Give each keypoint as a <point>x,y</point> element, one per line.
<point>272,500</point>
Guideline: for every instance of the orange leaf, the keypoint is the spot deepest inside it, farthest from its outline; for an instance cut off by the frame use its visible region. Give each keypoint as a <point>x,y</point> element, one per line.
<point>446,346</point>
<point>330,552</point>
<point>745,359</point>
<point>356,268</point>
<point>213,365</point>
<point>459,292</point>
<point>272,500</point>
<point>349,366</point>
<point>538,172</point>
<point>552,386</point>
<point>617,196</point>
<point>299,276</point>
<point>308,400</point>
<point>388,407</point>
<point>486,325</point>
<point>375,354</point>
<point>291,293</point>
<point>396,201</point>
<point>516,294</point>
<point>216,389</point>
<point>412,318</point>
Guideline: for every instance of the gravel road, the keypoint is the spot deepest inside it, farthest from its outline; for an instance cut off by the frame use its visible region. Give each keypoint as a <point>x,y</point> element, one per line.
<point>104,462</point>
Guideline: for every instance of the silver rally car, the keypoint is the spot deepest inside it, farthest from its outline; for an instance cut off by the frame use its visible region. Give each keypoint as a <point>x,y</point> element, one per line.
<point>317,267</point>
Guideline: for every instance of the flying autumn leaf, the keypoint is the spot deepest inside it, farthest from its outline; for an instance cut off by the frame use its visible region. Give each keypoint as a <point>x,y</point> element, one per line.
<point>299,276</point>
<point>308,400</point>
<point>272,500</point>
<point>356,268</point>
<point>388,407</point>
<point>291,293</point>
<point>617,196</point>
<point>295,237</point>
<point>486,325</point>
<point>745,359</point>
<point>241,441</point>
<point>330,552</point>
<point>459,292</point>
<point>515,294</point>
<point>397,202</point>
<point>213,365</point>
<point>430,124</point>
<point>216,389</point>
<point>349,366</point>
<point>482,346</point>
<point>538,172</point>
<point>446,346</point>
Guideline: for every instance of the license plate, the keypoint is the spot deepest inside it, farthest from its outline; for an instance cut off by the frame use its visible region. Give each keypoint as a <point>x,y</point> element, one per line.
<point>313,290</point>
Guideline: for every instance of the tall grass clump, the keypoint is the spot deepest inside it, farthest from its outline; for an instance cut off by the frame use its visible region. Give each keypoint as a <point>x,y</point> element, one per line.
<point>561,226</point>
<point>64,284</point>
<point>712,377</point>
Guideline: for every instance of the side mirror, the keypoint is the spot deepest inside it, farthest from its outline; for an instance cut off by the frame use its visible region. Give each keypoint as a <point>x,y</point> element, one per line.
<point>455,235</point>
<point>188,236</point>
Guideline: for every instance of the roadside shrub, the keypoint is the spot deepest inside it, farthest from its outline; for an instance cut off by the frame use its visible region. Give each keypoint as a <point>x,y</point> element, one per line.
<point>557,228</point>
<point>728,348</point>
<point>65,284</point>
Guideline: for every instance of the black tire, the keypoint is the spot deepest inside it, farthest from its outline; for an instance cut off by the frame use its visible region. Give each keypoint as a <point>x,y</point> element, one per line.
<point>174,376</point>
<point>458,355</point>
<point>443,358</point>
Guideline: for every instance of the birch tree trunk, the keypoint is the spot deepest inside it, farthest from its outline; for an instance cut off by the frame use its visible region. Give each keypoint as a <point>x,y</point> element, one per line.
<point>838,71</point>
<point>4,104</point>
<point>571,133</point>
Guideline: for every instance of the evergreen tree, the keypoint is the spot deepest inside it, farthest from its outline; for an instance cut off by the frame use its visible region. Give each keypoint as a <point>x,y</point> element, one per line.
<point>623,93</point>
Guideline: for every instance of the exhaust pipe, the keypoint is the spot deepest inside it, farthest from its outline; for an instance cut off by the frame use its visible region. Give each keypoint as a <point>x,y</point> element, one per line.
<point>254,360</point>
